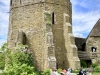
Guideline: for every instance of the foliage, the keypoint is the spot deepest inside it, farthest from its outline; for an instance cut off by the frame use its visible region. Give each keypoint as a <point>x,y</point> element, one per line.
<point>59,71</point>
<point>94,65</point>
<point>2,61</point>
<point>20,56</point>
<point>75,71</point>
<point>19,61</point>
<point>98,62</point>
<point>2,56</point>
<point>97,69</point>
<point>46,72</point>
<point>19,70</point>
<point>95,73</point>
<point>4,47</point>
<point>83,64</point>
<point>48,19</point>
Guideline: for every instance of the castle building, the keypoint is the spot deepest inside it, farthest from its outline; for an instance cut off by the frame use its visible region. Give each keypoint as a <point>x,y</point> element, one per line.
<point>89,48</point>
<point>46,27</point>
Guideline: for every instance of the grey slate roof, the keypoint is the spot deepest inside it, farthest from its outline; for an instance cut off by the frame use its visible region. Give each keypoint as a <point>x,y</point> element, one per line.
<point>96,29</point>
<point>80,43</point>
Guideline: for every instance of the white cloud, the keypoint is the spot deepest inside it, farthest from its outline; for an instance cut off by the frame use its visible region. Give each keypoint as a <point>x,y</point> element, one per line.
<point>79,35</point>
<point>83,21</point>
<point>5,2</point>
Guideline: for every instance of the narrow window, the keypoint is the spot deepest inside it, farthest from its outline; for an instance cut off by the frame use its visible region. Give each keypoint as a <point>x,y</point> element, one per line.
<point>24,39</point>
<point>11,2</point>
<point>53,22</point>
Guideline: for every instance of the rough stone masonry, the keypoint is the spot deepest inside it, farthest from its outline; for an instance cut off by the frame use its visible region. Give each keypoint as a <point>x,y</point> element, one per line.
<point>46,27</point>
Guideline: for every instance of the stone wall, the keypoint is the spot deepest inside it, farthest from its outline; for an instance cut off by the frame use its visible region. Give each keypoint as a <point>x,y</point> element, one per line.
<point>46,32</point>
<point>93,42</point>
<point>30,20</point>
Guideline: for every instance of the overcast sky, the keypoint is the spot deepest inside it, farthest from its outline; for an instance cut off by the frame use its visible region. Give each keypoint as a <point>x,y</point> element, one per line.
<point>85,15</point>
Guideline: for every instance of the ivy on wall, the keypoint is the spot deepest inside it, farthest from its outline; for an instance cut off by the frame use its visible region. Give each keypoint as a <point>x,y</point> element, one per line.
<point>48,18</point>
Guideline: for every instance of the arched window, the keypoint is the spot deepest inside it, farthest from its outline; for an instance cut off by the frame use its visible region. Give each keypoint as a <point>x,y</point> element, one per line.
<point>93,49</point>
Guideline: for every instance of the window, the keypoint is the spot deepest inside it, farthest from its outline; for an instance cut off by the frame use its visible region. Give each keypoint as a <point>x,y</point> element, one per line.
<point>11,2</point>
<point>53,22</point>
<point>24,39</point>
<point>93,49</point>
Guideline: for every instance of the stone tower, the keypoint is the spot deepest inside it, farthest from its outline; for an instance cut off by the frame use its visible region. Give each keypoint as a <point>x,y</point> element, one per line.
<point>46,27</point>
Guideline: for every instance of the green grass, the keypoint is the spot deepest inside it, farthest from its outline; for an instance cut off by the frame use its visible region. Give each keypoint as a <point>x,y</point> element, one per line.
<point>96,73</point>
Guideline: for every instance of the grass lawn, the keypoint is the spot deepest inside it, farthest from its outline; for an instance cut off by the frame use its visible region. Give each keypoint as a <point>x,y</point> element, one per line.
<point>96,73</point>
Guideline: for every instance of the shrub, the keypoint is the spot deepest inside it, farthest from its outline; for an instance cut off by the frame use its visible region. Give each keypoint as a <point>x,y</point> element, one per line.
<point>75,71</point>
<point>97,69</point>
<point>2,61</point>
<point>98,62</point>
<point>46,72</point>
<point>83,64</point>
<point>19,70</point>
<point>94,65</point>
<point>2,55</point>
<point>59,71</point>
<point>19,61</point>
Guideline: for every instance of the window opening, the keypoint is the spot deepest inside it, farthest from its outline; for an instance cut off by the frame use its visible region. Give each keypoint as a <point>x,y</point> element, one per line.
<point>93,49</point>
<point>53,22</point>
<point>24,39</point>
<point>11,2</point>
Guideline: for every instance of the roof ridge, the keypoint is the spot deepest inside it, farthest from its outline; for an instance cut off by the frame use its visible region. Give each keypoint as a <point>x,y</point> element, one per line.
<point>96,29</point>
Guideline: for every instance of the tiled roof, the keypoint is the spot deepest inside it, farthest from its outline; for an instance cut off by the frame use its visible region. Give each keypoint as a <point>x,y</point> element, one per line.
<point>96,29</point>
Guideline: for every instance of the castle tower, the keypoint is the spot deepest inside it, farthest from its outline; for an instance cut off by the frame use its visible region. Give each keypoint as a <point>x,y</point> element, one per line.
<point>46,27</point>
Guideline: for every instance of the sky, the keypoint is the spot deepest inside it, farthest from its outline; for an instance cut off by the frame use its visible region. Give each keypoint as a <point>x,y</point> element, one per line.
<point>85,13</point>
